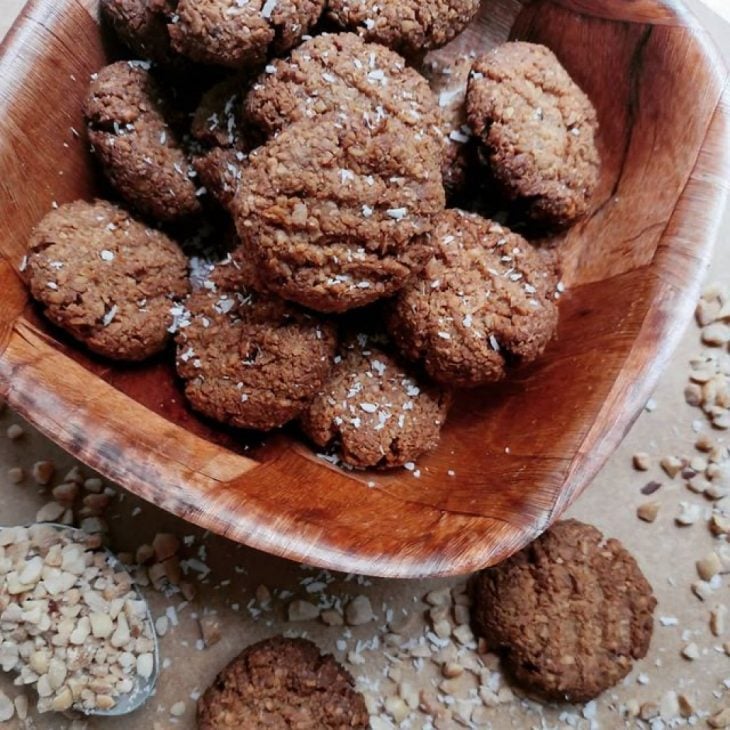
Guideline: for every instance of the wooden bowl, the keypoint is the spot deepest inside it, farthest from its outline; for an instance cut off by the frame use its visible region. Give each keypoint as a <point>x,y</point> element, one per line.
<point>521,452</point>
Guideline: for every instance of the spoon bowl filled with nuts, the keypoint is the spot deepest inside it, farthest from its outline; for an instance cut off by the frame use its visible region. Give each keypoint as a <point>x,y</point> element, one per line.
<point>73,624</point>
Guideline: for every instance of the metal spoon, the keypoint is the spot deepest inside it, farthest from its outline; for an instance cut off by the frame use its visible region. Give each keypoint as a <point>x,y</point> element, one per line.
<point>143,688</point>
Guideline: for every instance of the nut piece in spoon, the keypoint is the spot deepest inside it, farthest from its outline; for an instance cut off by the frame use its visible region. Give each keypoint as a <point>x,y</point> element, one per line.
<point>94,645</point>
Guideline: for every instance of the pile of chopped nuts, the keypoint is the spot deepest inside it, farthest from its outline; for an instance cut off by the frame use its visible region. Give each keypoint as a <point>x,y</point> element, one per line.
<point>71,623</point>
<point>468,683</point>
<point>709,388</point>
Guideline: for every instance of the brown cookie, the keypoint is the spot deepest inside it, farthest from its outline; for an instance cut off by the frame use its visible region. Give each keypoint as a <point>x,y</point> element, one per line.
<point>139,149</point>
<point>248,358</point>
<point>376,412</point>
<point>282,683</point>
<point>220,170</point>
<point>240,34</point>
<point>409,26</point>
<point>219,128</point>
<point>570,613</point>
<point>106,279</point>
<point>538,129</point>
<point>337,210</point>
<point>142,26</point>
<point>485,300</point>
<point>340,72</point>
<point>218,121</point>
<point>449,84</point>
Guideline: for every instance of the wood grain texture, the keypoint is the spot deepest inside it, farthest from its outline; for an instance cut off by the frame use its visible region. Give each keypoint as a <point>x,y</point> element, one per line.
<point>634,11</point>
<point>523,451</point>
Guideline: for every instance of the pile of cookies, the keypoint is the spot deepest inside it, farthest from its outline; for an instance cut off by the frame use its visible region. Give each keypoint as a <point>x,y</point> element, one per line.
<point>348,293</point>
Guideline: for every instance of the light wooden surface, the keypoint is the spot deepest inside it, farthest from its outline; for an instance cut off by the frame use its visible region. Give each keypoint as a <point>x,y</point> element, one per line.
<point>524,451</point>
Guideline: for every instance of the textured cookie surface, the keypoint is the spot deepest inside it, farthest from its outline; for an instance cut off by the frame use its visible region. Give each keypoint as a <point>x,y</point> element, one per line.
<point>570,613</point>
<point>337,210</point>
<point>449,84</point>
<point>142,26</point>
<point>282,684</point>
<point>340,72</point>
<point>240,34</point>
<point>249,359</point>
<point>377,413</point>
<point>538,129</point>
<point>410,26</point>
<point>219,128</point>
<point>217,120</point>
<point>127,116</point>
<point>106,278</point>
<point>485,299</point>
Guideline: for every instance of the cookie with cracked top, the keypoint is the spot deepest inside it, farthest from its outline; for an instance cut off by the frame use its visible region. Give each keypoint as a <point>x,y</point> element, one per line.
<point>133,128</point>
<point>570,613</point>
<point>538,129</point>
<point>376,413</point>
<point>248,358</point>
<point>106,278</point>
<point>340,72</point>
<point>283,683</point>
<point>408,26</point>
<point>240,34</point>
<point>484,302</point>
<point>338,210</point>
